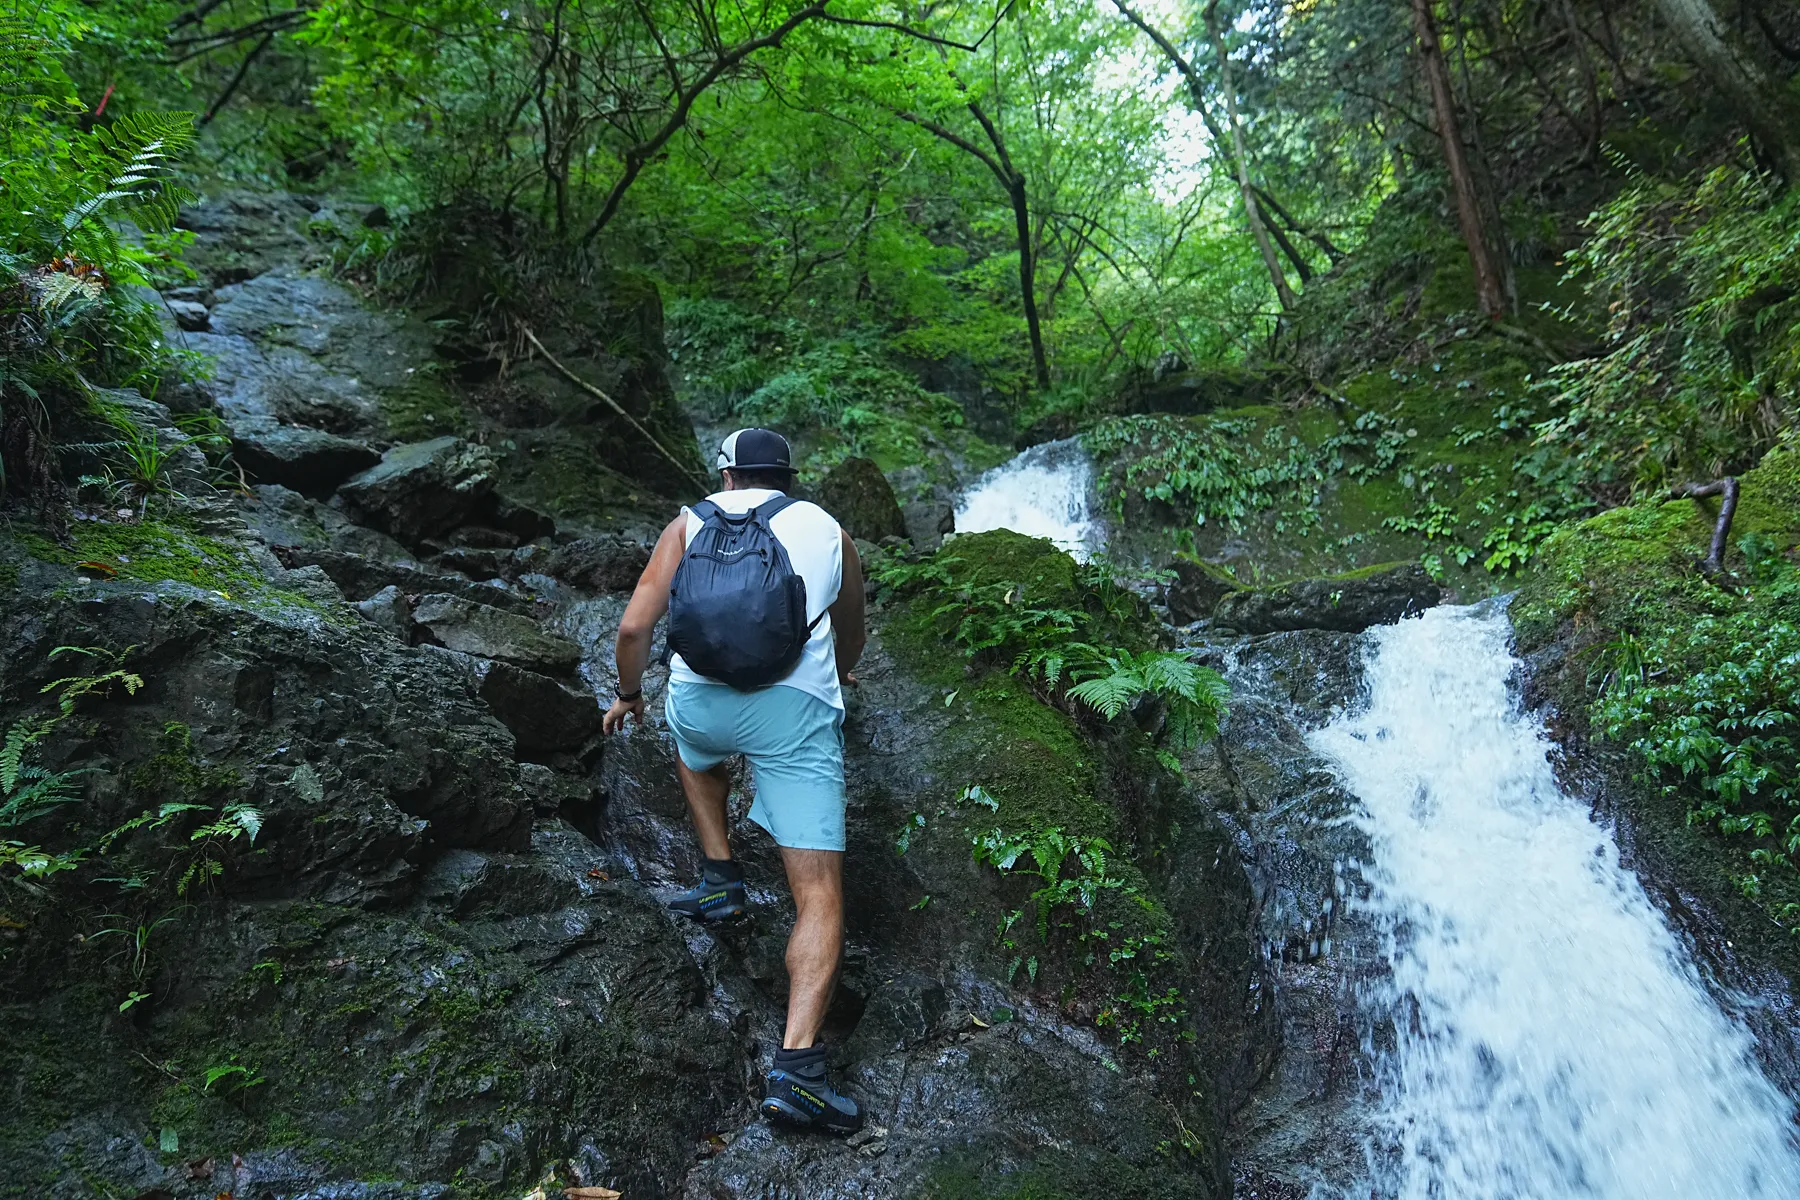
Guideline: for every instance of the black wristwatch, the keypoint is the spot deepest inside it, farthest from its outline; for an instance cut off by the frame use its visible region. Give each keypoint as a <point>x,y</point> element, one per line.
<point>628,697</point>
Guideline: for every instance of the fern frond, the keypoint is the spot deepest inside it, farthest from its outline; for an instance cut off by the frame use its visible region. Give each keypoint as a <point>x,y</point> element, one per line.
<point>54,289</point>
<point>19,739</point>
<point>126,165</point>
<point>1109,694</point>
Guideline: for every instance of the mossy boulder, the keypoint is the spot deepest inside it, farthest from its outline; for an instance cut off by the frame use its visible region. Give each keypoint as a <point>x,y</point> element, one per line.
<point>1638,564</point>
<point>1198,587</point>
<point>1629,582</point>
<point>1347,603</point>
<point>860,497</point>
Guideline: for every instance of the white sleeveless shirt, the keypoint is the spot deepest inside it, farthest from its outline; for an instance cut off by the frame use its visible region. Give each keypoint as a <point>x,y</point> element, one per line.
<point>815,548</point>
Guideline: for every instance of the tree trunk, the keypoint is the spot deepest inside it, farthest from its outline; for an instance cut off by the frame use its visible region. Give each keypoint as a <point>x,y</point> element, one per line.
<point>1013,180</point>
<point>1490,293</point>
<point>1763,102</point>
<point>1197,94</point>
<point>1040,362</point>
<point>1252,211</point>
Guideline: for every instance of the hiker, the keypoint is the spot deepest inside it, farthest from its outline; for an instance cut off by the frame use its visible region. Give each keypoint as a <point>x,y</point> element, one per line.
<point>765,601</point>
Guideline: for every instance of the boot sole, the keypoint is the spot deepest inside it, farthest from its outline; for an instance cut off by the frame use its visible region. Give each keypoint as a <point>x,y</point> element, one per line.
<point>730,913</point>
<point>783,1113</point>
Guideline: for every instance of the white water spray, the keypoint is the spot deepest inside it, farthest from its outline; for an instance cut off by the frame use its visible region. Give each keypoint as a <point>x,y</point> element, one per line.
<point>1045,492</point>
<point>1553,1039</point>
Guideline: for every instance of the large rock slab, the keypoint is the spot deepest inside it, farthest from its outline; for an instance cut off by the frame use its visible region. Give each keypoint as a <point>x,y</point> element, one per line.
<point>310,461</point>
<point>1198,588</point>
<point>361,577</point>
<point>544,715</point>
<point>860,497</point>
<point>422,489</point>
<point>1346,603</point>
<point>610,563</point>
<point>494,633</point>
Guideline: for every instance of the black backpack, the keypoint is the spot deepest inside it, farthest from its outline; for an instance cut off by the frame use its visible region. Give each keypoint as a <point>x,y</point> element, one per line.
<point>737,609</point>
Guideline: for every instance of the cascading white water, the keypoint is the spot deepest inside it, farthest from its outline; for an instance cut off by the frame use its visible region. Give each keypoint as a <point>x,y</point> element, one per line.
<point>1045,492</point>
<point>1553,1040</point>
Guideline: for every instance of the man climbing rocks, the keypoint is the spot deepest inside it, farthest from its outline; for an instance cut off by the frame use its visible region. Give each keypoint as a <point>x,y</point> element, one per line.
<point>765,601</point>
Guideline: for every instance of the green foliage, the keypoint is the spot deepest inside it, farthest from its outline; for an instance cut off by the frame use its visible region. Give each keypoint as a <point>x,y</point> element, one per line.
<point>1071,875</point>
<point>1194,696</point>
<point>1711,708</point>
<point>1699,369</point>
<point>28,790</point>
<point>1219,468</point>
<point>70,315</point>
<point>836,396</point>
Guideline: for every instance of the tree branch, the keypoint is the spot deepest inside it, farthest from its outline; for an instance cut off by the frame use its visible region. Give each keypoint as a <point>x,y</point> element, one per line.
<point>641,153</point>
<point>589,388</point>
<point>1714,563</point>
<point>961,143</point>
<point>921,35</point>
<point>237,78</point>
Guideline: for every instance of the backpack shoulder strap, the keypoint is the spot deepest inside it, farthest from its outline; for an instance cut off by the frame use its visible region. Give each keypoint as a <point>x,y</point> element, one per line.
<point>768,509</point>
<point>704,509</point>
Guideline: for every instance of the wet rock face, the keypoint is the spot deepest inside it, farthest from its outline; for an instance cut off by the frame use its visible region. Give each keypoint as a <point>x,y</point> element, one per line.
<point>860,497</point>
<point>422,489</point>
<point>1344,603</point>
<point>310,461</point>
<point>606,563</point>
<point>1198,588</point>
<point>494,633</point>
<point>543,714</point>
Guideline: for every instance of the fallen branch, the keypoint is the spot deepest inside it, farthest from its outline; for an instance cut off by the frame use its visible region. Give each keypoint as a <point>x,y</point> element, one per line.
<point>704,486</point>
<point>1714,563</point>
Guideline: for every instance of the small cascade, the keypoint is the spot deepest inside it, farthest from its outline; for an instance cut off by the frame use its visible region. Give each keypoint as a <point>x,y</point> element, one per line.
<point>1544,1033</point>
<point>1046,492</point>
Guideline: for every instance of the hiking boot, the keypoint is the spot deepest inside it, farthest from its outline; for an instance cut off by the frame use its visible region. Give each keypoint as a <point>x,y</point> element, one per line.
<point>718,896</point>
<point>798,1094</point>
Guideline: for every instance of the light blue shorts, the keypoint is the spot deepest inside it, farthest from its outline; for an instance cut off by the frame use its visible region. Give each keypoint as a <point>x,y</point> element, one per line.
<point>795,744</point>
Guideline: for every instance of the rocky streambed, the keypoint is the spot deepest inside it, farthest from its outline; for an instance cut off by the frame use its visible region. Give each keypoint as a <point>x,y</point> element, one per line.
<point>439,967</point>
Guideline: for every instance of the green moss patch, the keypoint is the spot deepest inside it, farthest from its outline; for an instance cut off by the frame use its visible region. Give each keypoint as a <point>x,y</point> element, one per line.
<point>150,552</point>
<point>1686,683</point>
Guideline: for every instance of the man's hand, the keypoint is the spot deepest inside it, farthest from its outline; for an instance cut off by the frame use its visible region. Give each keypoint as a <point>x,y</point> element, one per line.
<point>614,720</point>
<point>848,679</point>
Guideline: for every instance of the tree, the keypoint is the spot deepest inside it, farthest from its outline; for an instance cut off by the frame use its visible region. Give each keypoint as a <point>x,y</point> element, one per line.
<point>1197,97</point>
<point>1000,164</point>
<point>1490,292</point>
<point>1764,102</point>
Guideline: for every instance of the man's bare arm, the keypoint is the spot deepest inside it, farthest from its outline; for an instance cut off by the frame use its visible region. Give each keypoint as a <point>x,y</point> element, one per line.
<point>648,604</point>
<point>848,621</point>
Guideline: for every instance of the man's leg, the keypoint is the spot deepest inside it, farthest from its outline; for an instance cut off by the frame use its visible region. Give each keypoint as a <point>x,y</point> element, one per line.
<point>720,892</point>
<point>816,945</point>
<point>706,792</point>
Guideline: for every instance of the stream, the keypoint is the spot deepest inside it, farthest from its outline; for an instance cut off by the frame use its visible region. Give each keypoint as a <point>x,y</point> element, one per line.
<point>1537,1030</point>
<point>1552,1036</point>
<point>1047,492</point>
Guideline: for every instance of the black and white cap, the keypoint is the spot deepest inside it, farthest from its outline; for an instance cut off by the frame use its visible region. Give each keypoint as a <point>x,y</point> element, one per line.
<point>755,450</point>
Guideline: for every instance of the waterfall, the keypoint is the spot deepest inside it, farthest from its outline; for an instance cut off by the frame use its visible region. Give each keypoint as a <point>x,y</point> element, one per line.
<point>1045,492</point>
<point>1550,1037</point>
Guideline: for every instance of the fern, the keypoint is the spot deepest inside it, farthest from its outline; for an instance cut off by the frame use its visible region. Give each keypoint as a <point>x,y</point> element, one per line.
<point>1194,696</point>
<point>19,739</point>
<point>28,791</point>
<point>36,792</point>
<point>127,165</point>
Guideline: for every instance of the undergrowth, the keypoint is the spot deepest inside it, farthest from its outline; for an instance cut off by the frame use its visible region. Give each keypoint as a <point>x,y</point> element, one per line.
<point>1082,644</point>
<point>1710,708</point>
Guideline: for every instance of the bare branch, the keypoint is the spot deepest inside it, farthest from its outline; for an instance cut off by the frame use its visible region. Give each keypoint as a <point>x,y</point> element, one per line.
<point>1714,563</point>
<point>641,153</point>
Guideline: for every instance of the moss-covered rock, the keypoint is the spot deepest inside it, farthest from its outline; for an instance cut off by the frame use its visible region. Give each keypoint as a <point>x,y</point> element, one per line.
<point>1637,565</point>
<point>1620,602</point>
